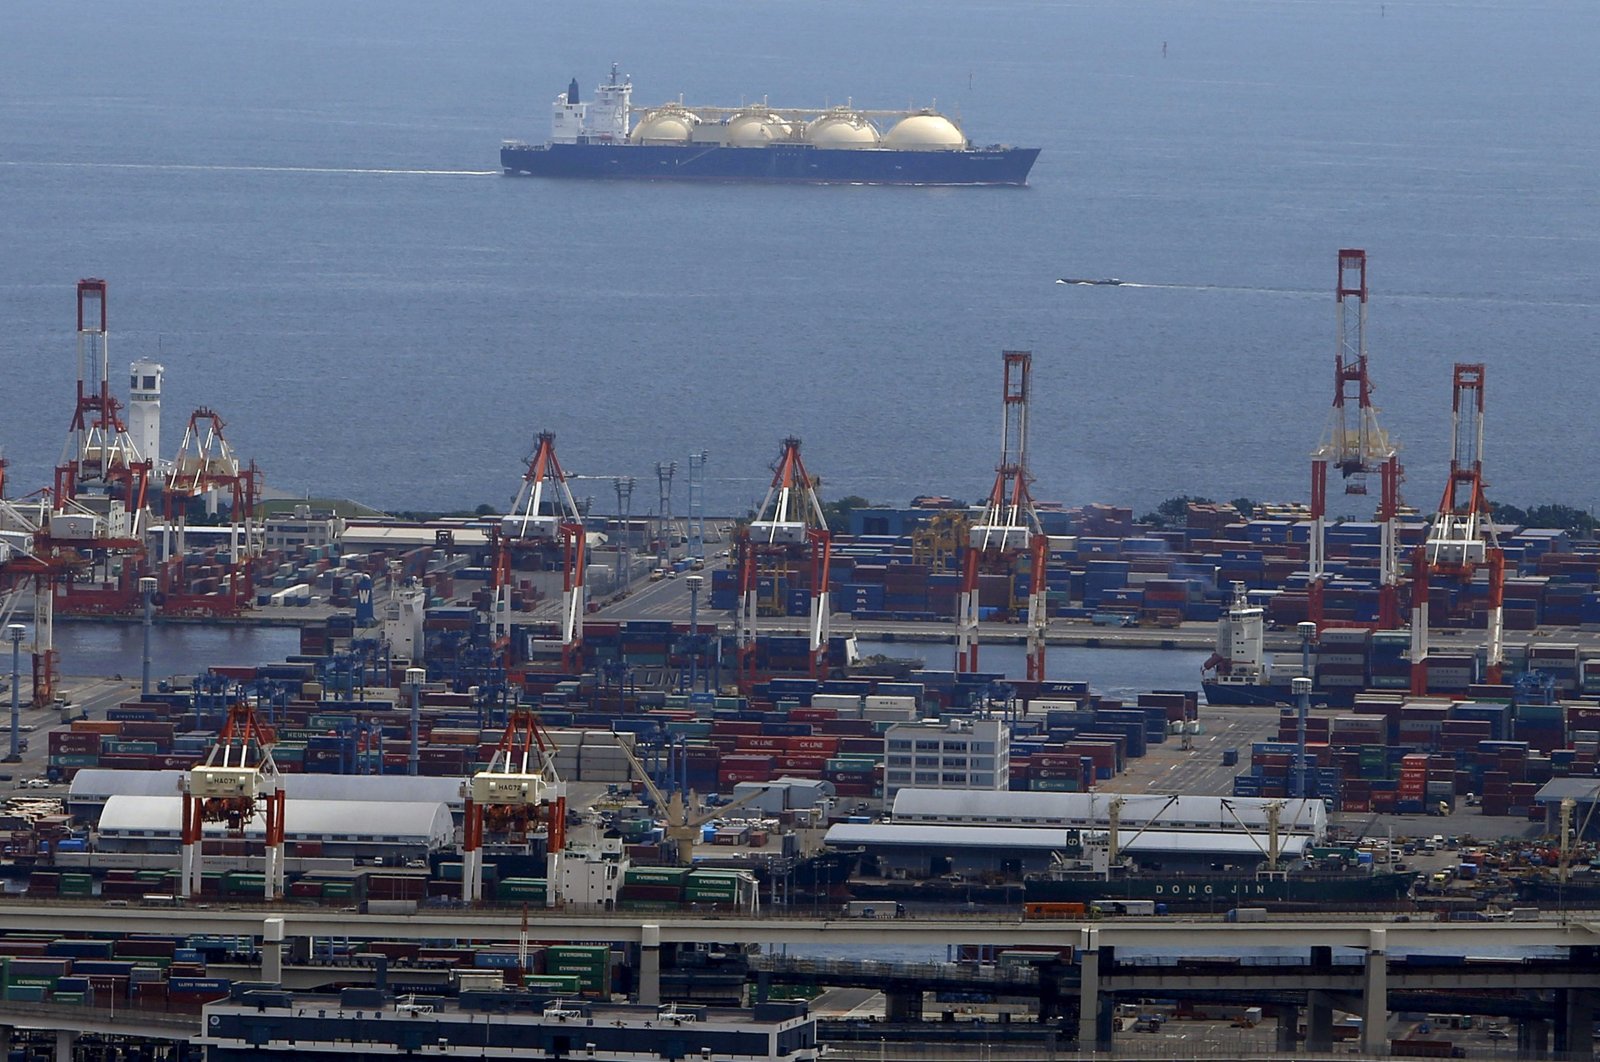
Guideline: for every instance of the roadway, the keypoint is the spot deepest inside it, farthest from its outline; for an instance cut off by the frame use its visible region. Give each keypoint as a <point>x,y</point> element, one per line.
<point>85,695</point>
<point>1174,936</point>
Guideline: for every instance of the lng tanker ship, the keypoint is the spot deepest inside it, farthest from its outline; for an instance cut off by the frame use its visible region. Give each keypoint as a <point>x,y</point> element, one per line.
<point>599,138</point>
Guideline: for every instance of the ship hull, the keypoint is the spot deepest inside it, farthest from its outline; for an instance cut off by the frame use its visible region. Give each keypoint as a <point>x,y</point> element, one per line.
<point>1268,694</point>
<point>1353,891</point>
<point>1198,893</point>
<point>782,164</point>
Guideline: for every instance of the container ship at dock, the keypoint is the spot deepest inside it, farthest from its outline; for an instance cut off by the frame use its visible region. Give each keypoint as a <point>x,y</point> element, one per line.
<point>599,139</point>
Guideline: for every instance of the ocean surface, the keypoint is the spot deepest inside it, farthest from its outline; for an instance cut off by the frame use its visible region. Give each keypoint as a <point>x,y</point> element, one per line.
<point>298,210</point>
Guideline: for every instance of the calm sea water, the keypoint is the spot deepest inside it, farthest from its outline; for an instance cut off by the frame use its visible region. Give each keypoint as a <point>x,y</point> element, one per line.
<point>296,206</point>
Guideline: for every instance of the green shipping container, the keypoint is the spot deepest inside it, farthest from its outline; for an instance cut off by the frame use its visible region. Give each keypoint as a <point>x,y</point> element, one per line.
<point>593,952</point>
<point>25,994</point>
<point>40,983</point>
<point>655,876</point>
<point>710,892</point>
<point>559,983</point>
<point>69,998</point>
<point>136,747</point>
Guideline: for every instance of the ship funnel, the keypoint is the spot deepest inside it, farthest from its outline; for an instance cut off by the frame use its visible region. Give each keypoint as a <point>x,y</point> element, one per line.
<point>572,91</point>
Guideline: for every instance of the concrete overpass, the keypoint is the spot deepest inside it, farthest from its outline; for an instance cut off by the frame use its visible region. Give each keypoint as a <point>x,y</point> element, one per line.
<point>1364,988</point>
<point>67,1023</point>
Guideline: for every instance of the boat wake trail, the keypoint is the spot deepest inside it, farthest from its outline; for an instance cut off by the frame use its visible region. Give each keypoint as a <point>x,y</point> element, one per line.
<point>1114,282</point>
<point>179,167</point>
<point>1309,293</point>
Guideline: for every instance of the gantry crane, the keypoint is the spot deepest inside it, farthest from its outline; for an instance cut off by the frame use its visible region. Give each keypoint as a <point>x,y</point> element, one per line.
<point>1356,446</point>
<point>237,782</point>
<point>789,534</point>
<point>544,519</point>
<point>204,466</point>
<point>1461,539</point>
<point>31,561</point>
<point>102,485</point>
<point>514,797</point>
<point>1008,529</point>
<point>679,824</point>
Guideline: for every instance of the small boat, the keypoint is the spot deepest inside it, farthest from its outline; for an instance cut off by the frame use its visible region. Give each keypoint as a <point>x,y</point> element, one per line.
<point>1101,282</point>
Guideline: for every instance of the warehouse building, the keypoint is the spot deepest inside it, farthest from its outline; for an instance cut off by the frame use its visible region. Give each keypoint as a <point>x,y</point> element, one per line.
<point>93,787</point>
<point>357,829</point>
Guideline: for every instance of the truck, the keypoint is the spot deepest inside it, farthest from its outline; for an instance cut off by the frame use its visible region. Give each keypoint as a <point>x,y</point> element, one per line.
<point>1128,908</point>
<point>1114,619</point>
<point>874,909</point>
<point>1246,914</point>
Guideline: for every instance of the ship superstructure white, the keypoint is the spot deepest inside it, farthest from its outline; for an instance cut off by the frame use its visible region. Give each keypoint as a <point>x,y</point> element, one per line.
<point>1241,639</point>
<point>604,120</point>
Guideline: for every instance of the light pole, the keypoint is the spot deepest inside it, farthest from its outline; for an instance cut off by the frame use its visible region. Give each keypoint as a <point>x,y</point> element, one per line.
<point>14,633</point>
<point>694,582</point>
<point>1302,691</point>
<point>147,591</point>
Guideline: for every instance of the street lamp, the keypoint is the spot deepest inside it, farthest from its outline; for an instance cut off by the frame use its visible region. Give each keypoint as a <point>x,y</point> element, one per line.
<point>147,591</point>
<point>1302,691</point>
<point>695,582</point>
<point>14,632</point>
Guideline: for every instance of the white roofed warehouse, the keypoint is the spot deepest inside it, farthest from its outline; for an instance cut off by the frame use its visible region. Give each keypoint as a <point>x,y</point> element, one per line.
<point>359,829</point>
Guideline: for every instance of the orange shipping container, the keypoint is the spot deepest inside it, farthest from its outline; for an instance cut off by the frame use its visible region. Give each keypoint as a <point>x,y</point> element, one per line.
<point>104,727</point>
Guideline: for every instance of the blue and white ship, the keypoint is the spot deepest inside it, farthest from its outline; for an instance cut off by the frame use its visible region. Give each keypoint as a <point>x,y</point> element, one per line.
<point>600,138</point>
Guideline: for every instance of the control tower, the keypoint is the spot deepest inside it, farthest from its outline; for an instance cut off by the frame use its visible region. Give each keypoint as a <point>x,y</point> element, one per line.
<point>144,408</point>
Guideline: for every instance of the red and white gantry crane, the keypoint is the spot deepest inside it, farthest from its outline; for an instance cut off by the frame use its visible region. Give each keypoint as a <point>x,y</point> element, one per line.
<point>101,497</point>
<point>238,782</point>
<point>204,466</point>
<point>1357,446</point>
<point>789,534</point>
<point>545,520</point>
<point>1461,539</point>
<point>518,795</point>
<point>1008,530</point>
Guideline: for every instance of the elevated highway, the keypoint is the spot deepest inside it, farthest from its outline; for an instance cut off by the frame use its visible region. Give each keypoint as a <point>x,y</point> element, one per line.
<point>1353,966</point>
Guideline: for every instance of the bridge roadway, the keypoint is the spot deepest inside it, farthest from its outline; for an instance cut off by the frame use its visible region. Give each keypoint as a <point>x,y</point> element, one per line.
<point>1098,981</point>
<point>68,1022</point>
<point>1174,936</point>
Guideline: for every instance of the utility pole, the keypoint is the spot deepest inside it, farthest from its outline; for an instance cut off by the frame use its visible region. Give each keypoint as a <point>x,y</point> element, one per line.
<point>697,504</point>
<point>624,486</point>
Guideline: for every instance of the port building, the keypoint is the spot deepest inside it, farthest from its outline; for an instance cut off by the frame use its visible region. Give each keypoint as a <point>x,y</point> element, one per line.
<point>357,829</point>
<point>961,754</point>
<point>92,789</point>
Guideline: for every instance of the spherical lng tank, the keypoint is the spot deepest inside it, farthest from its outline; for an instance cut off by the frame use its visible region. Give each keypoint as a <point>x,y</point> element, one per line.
<point>757,127</point>
<point>672,124</point>
<point>925,131</point>
<point>842,129</point>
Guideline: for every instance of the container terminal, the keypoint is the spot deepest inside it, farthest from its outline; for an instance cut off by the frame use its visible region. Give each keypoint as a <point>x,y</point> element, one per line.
<point>486,700</point>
